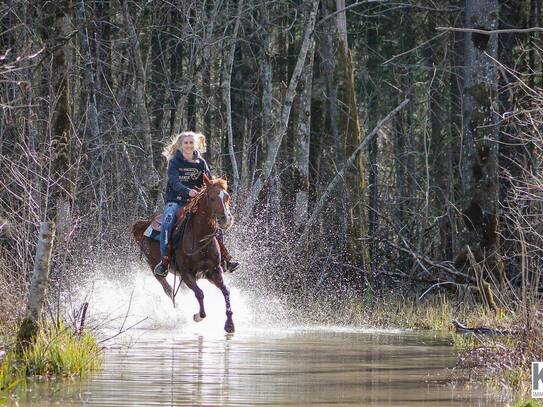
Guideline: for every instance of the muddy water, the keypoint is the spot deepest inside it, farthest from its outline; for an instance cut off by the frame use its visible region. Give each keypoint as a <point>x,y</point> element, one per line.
<point>169,360</point>
<point>304,366</point>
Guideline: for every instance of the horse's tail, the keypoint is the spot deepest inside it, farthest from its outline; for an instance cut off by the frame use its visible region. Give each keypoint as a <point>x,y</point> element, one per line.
<point>139,227</point>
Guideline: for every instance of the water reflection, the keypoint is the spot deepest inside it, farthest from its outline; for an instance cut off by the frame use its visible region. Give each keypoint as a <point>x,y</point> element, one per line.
<point>309,366</point>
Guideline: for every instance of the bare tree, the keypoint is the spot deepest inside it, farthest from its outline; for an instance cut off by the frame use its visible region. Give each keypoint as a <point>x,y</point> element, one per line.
<point>228,102</point>
<point>38,287</point>
<point>281,129</point>
<point>479,167</point>
<point>302,138</point>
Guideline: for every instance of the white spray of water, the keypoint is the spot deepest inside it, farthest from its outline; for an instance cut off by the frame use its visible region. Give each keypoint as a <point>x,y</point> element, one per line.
<point>125,294</point>
<point>136,299</point>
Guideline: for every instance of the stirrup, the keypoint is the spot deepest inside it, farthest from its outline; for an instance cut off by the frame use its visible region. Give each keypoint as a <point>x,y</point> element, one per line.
<point>160,270</point>
<point>230,266</point>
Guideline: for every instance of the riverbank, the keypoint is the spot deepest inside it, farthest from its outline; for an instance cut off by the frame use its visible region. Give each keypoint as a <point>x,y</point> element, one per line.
<point>500,356</point>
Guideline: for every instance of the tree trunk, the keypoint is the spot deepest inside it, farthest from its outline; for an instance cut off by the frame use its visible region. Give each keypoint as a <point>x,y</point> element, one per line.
<point>228,103</point>
<point>329,56</point>
<point>38,287</point>
<point>351,135</point>
<point>373,193</point>
<point>439,146</point>
<point>409,219</point>
<point>266,73</point>
<point>535,63</point>
<point>479,168</point>
<point>302,139</point>
<point>55,30</point>
<point>94,127</point>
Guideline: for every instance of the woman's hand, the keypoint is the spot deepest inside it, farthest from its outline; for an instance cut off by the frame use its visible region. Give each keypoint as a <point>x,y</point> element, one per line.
<point>193,193</point>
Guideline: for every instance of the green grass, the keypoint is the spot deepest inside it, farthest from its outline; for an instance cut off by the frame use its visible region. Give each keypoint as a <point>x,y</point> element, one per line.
<point>528,403</point>
<point>56,353</point>
<point>433,313</point>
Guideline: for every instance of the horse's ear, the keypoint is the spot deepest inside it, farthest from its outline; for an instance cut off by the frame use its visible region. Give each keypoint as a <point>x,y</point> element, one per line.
<point>207,181</point>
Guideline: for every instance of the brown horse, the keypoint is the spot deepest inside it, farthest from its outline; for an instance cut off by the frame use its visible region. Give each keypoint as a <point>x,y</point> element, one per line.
<point>196,254</point>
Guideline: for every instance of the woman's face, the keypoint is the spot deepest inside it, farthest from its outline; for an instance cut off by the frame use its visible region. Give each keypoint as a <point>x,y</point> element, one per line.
<point>187,145</point>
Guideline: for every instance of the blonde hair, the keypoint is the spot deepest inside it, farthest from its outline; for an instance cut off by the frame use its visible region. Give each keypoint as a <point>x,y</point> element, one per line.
<point>176,141</point>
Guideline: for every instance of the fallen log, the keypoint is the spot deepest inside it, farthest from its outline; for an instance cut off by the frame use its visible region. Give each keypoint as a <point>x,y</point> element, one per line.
<point>482,330</point>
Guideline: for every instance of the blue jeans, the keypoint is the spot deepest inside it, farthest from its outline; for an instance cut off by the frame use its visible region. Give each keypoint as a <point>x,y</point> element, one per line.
<point>168,222</point>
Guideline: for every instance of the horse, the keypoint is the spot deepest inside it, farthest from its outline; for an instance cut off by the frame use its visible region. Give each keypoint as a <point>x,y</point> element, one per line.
<point>196,250</point>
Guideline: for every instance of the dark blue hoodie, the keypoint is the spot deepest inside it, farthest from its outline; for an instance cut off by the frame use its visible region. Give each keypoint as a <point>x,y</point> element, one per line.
<point>183,176</point>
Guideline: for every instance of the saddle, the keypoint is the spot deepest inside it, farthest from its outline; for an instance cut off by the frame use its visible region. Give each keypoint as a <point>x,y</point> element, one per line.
<point>153,230</point>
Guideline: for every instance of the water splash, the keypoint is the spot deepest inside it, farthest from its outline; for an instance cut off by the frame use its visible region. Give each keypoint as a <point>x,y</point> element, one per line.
<point>125,294</point>
<point>135,299</point>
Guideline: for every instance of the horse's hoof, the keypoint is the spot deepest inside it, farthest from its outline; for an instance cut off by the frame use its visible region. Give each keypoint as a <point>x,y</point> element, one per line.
<point>198,317</point>
<point>229,326</point>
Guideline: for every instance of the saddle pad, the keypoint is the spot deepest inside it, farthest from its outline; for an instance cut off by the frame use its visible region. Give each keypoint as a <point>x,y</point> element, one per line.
<point>151,233</point>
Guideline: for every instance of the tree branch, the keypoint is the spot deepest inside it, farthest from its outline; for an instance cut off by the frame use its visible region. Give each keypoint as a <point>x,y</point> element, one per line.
<point>489,32</point>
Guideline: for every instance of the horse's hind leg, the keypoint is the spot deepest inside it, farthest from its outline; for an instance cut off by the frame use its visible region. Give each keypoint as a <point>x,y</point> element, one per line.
<point>218,280</point>
<point>199,294</point>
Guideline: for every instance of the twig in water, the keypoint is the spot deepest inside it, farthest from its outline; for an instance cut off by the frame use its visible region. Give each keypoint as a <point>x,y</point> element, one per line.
<point>121,331</point>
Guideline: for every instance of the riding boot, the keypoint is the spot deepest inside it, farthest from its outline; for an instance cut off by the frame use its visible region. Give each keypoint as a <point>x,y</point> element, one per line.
<point>227,263</point>
<point>230,265</point>
<point>161,269</point>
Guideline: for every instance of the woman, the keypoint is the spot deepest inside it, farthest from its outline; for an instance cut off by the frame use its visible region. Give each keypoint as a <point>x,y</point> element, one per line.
<point>186,169</point>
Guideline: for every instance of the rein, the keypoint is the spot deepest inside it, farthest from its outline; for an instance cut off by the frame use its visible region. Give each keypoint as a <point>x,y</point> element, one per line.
<point>191,208</point>
<point>207,239</point>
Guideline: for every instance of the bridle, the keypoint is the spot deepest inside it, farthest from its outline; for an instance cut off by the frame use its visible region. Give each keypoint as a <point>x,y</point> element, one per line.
<point>206,240</point>
<point>214,214</point>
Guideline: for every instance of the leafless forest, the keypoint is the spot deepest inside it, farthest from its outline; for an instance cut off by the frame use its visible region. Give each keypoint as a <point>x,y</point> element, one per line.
<point>368,144</point>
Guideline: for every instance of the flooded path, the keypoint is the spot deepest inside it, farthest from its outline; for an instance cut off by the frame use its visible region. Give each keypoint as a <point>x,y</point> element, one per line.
<point>169,360</point>
<point>326,366</point>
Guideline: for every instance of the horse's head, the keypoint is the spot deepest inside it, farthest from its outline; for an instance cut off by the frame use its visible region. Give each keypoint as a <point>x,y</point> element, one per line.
<point>218,201</point>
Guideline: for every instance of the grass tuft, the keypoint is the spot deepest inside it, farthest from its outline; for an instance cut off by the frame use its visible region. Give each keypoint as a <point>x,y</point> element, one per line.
<point>57,352</point>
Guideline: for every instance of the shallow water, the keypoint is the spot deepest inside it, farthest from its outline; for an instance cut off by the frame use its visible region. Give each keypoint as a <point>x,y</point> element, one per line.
<point>169,360</point>
<point>326,366</point>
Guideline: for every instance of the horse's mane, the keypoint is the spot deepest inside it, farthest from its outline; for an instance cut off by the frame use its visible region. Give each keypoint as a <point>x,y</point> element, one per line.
<point>192,206</point>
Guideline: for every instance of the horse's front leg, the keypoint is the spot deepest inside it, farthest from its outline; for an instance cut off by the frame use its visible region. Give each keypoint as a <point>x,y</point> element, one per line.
<point>199,294</point>
<point>218,280</point>
<point>165,286</point>
<point>152,254</point>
